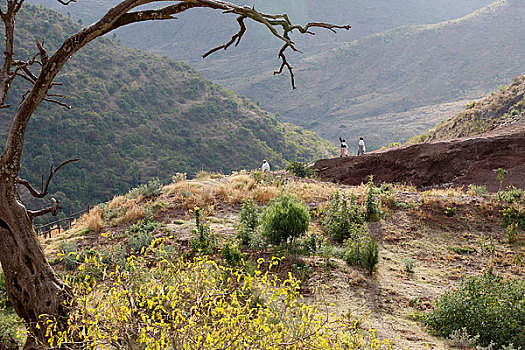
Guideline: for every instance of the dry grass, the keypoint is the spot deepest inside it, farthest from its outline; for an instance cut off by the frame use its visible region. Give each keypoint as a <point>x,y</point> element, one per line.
<point>264,194</point>
<point>189,194</point>
<point>311,192</point>
<point>117,202</point>
<point>133,213</point>
<point>92,220</point>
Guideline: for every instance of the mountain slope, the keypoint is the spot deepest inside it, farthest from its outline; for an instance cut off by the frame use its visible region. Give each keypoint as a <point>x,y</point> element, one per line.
<point>498,110</point>
<point>136,116</point>
<point>362,87</point>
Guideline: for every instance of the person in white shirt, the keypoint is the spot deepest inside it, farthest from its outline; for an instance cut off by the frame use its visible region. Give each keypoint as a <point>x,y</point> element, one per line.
<point>265,168</point>
<point>362,148</point>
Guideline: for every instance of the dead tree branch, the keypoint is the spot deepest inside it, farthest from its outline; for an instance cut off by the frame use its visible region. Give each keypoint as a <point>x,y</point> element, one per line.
<point>42,52</point>
<point>60,103</point>
<point>45,188</point>
<point>53,209</point>
<point>285,63</point>
<point>236,38</point>
<point>66,2</point>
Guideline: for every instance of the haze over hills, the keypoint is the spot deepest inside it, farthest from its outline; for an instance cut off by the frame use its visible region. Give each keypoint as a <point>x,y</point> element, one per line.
<point>137,116</point>
<point>364,87</point>
<point>388,86</point>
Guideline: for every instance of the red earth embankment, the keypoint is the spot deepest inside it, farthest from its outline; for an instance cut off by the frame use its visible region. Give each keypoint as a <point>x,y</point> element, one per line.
<point>458,162</point>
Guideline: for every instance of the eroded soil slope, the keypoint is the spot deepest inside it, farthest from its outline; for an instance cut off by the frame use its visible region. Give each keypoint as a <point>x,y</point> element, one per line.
<point>469,160</point>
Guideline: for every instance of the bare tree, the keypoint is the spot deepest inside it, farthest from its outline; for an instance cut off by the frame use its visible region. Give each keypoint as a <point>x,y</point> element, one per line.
<point>33,287</point>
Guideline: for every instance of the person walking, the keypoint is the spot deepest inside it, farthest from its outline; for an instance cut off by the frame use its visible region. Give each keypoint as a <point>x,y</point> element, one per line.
<point>362,148</point>
<point>344,148</point>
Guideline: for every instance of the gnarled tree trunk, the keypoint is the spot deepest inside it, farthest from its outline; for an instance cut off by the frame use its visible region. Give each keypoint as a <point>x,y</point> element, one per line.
<point>33,287</point>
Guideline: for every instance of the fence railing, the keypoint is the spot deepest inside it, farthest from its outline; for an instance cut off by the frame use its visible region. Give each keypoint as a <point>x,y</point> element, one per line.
<point>53,227</point>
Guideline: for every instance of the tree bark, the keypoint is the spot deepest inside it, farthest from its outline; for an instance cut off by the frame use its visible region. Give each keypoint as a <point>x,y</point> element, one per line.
<point>34,288</point>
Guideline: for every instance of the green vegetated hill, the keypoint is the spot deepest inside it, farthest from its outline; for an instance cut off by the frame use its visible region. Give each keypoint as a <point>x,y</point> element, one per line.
<point>364,87</point>
<point>498,110</point>
<point>137,116</point>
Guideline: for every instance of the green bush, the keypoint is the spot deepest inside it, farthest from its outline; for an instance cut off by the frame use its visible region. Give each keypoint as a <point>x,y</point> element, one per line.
<point>489,306</point>
<point>248,222</point>
<point>141,240</point>
<point>286,218</point>
<point>72,258</point>
<point>143,233</point>
<point>231,254</point>
<point>372,211</point>
<point>514,215</point>
<point>10,323</point>
<point>512,195</point>
<point>343,218</point>
<point>363,251</point>
<point>300,169</point>
<point>150,190</point>
<point>204,240</point>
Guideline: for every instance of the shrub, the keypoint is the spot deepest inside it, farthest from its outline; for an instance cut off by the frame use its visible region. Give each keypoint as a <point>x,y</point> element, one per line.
<point>514,215</point>
<point>410,263</point>
<point>311,244</point>
<point>512,195</point>
<point>257,176</point>
<point>152,189</point>
<point>488,306</point>
<point>72,258</point>
<point>93,219</point>
<point>363,251</point>
<point>285,218</point>
<point>10,324</point>
<point>231,254</point>
<point>203,241</point>
<point>372,211</point>
<point>199,304</point>
<point>343,218</point>
<point>248,222</point>
<point>475,190</point>
<point>449,211</point>
<point>300,169</point>
<point>141,240</point>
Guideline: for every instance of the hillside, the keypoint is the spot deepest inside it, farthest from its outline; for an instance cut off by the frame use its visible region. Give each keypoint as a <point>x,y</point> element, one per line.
<point>368,86</point>
<point>462,150</point>
<point>428,241</point>
<point>383,86</point>
<point>504,108</point>
<point>137,116</point>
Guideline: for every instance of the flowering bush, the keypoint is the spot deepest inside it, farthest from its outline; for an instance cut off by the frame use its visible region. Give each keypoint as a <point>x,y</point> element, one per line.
<point>159,304</point>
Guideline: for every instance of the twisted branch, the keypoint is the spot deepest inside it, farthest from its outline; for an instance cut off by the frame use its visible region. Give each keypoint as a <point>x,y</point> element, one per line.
<point>53,209</point>
<point>45,188</point>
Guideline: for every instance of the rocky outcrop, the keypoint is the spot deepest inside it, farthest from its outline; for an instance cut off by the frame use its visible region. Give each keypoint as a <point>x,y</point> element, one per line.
<point>458,162</point>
